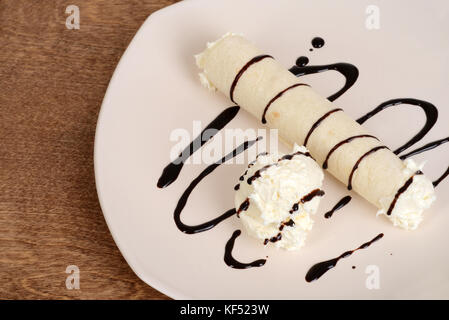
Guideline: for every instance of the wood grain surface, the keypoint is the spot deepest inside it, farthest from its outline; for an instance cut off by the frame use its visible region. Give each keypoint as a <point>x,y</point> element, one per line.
<point>52,82</point>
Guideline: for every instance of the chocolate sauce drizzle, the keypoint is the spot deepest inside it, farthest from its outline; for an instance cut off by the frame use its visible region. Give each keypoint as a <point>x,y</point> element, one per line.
<point>400,191</point>
<point>289,223</point>
<point>231,262</point>
<point>172,170</point>
<point>349,72</point>
<point>242,71</point>
<point>427,147</point>
<point>431,113</point>
<point>242,177</point>
<point>311,195</point>
<point>258,173</point>
<point>243,207</point>
<point>443,176</point>
<point>338,145</point>
<point>308,197</point>
<point>356,166</point>
<point>316,271</point>
<point>295,207</point>
<point>254,161</point>
<point>274,239</point>
<point>340,204</point>
<point>318,122</point>
<point>429,109</point>
<point>264,120</point>
<point>185,196</point>
<point>290,156</point>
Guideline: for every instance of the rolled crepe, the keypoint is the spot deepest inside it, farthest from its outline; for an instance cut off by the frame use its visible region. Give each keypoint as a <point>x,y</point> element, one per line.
<point>259,84</point>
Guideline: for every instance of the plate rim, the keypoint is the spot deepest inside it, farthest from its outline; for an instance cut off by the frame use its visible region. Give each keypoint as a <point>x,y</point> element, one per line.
<point>151,281</point>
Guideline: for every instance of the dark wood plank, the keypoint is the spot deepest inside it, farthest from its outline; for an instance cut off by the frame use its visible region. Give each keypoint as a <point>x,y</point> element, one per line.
<point>52,82</point>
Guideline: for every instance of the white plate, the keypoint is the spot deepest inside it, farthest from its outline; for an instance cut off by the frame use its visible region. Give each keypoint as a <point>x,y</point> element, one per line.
<point>155,89</point>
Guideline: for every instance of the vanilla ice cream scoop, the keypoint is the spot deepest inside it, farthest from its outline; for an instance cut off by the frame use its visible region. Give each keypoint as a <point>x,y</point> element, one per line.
<point>277,195</point>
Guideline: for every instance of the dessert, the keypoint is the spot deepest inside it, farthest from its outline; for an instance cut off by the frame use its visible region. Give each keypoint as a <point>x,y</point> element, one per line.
<point>259,84</point>
<point>277,196</point>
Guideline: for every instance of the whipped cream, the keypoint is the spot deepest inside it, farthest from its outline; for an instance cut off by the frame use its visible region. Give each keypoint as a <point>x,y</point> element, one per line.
<point>272,195</point>
<point>410,205</point>
<point>199,60</point>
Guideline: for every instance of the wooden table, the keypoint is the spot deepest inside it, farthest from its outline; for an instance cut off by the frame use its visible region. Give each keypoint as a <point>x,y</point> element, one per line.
<point>52,82</point>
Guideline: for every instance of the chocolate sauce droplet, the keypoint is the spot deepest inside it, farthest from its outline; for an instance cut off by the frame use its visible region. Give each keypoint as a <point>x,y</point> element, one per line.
<point>317,270</point>
<point>302,61</point>
<point>317,42</point>
<point>340,204</point>
<point>231,262</point>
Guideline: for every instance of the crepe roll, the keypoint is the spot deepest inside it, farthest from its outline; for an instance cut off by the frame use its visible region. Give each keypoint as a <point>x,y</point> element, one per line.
<point>258,83</point>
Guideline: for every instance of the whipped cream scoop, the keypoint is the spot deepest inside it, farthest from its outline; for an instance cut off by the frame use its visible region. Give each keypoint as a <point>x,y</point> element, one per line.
<point>277,196</point>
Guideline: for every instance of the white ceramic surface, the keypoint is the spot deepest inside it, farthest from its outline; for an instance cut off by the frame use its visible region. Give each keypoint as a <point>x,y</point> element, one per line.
<point>155,89</point>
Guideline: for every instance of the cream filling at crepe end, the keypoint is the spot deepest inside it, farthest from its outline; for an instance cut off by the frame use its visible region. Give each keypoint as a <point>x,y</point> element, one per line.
<point>272,195</point>
<point>199,60</point>
<point>409,208</point>
<point>205,82</point>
